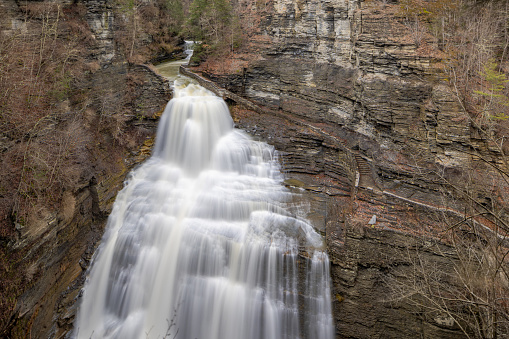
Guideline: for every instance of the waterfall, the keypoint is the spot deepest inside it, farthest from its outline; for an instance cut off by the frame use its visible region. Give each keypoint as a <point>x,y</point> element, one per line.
<point>203,241</point>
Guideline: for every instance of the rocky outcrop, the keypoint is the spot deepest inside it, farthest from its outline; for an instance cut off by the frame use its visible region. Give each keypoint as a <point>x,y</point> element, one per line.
<point>368,266</point>
<point>100,18</point>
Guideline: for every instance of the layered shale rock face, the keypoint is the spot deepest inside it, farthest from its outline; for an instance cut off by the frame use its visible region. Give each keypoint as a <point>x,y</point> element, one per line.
<point>356,72</point>
<point>354,65</point>
<point>359,107</point>
<point>100,19</point>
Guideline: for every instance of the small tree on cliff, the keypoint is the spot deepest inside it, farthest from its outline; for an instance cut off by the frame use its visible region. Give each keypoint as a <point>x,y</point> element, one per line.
<point>496,103</point>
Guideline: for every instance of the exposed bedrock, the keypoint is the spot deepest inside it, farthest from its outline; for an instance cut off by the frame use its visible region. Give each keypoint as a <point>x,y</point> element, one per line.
<point>365,257</point>
<point>362,114</point>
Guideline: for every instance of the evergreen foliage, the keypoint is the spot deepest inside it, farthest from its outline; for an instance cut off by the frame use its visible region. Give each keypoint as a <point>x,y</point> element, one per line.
<point>175,11</point>
<point>210,20</point>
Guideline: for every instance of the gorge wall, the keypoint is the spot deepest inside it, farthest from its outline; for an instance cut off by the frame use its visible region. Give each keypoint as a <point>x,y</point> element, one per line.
<point>59,248</point>
<point>354,65</point>
<point>364,119</point>
<point>362,111</point>
<point>113,108</point>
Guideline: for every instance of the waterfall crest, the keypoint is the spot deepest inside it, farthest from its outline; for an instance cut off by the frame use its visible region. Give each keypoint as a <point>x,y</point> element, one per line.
<point>201,242</point>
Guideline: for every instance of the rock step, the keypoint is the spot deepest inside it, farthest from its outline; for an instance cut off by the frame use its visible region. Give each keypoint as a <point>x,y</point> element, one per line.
<point>362,165</point>
<point>365,174</point>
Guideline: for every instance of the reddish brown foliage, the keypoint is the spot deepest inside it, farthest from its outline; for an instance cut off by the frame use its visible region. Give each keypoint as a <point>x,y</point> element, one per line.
<point>38,67</point>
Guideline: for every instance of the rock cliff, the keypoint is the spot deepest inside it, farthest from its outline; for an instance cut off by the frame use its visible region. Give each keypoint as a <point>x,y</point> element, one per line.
<point>359,106</point>
<point>353,65</point>
<point>116,106</point>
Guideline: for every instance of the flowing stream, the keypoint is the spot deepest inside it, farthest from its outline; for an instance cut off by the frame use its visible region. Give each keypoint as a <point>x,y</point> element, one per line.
<point>204,241</point>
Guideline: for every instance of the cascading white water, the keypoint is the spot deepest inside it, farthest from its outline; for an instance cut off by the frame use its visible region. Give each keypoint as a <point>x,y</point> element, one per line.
<point>201,243</point>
